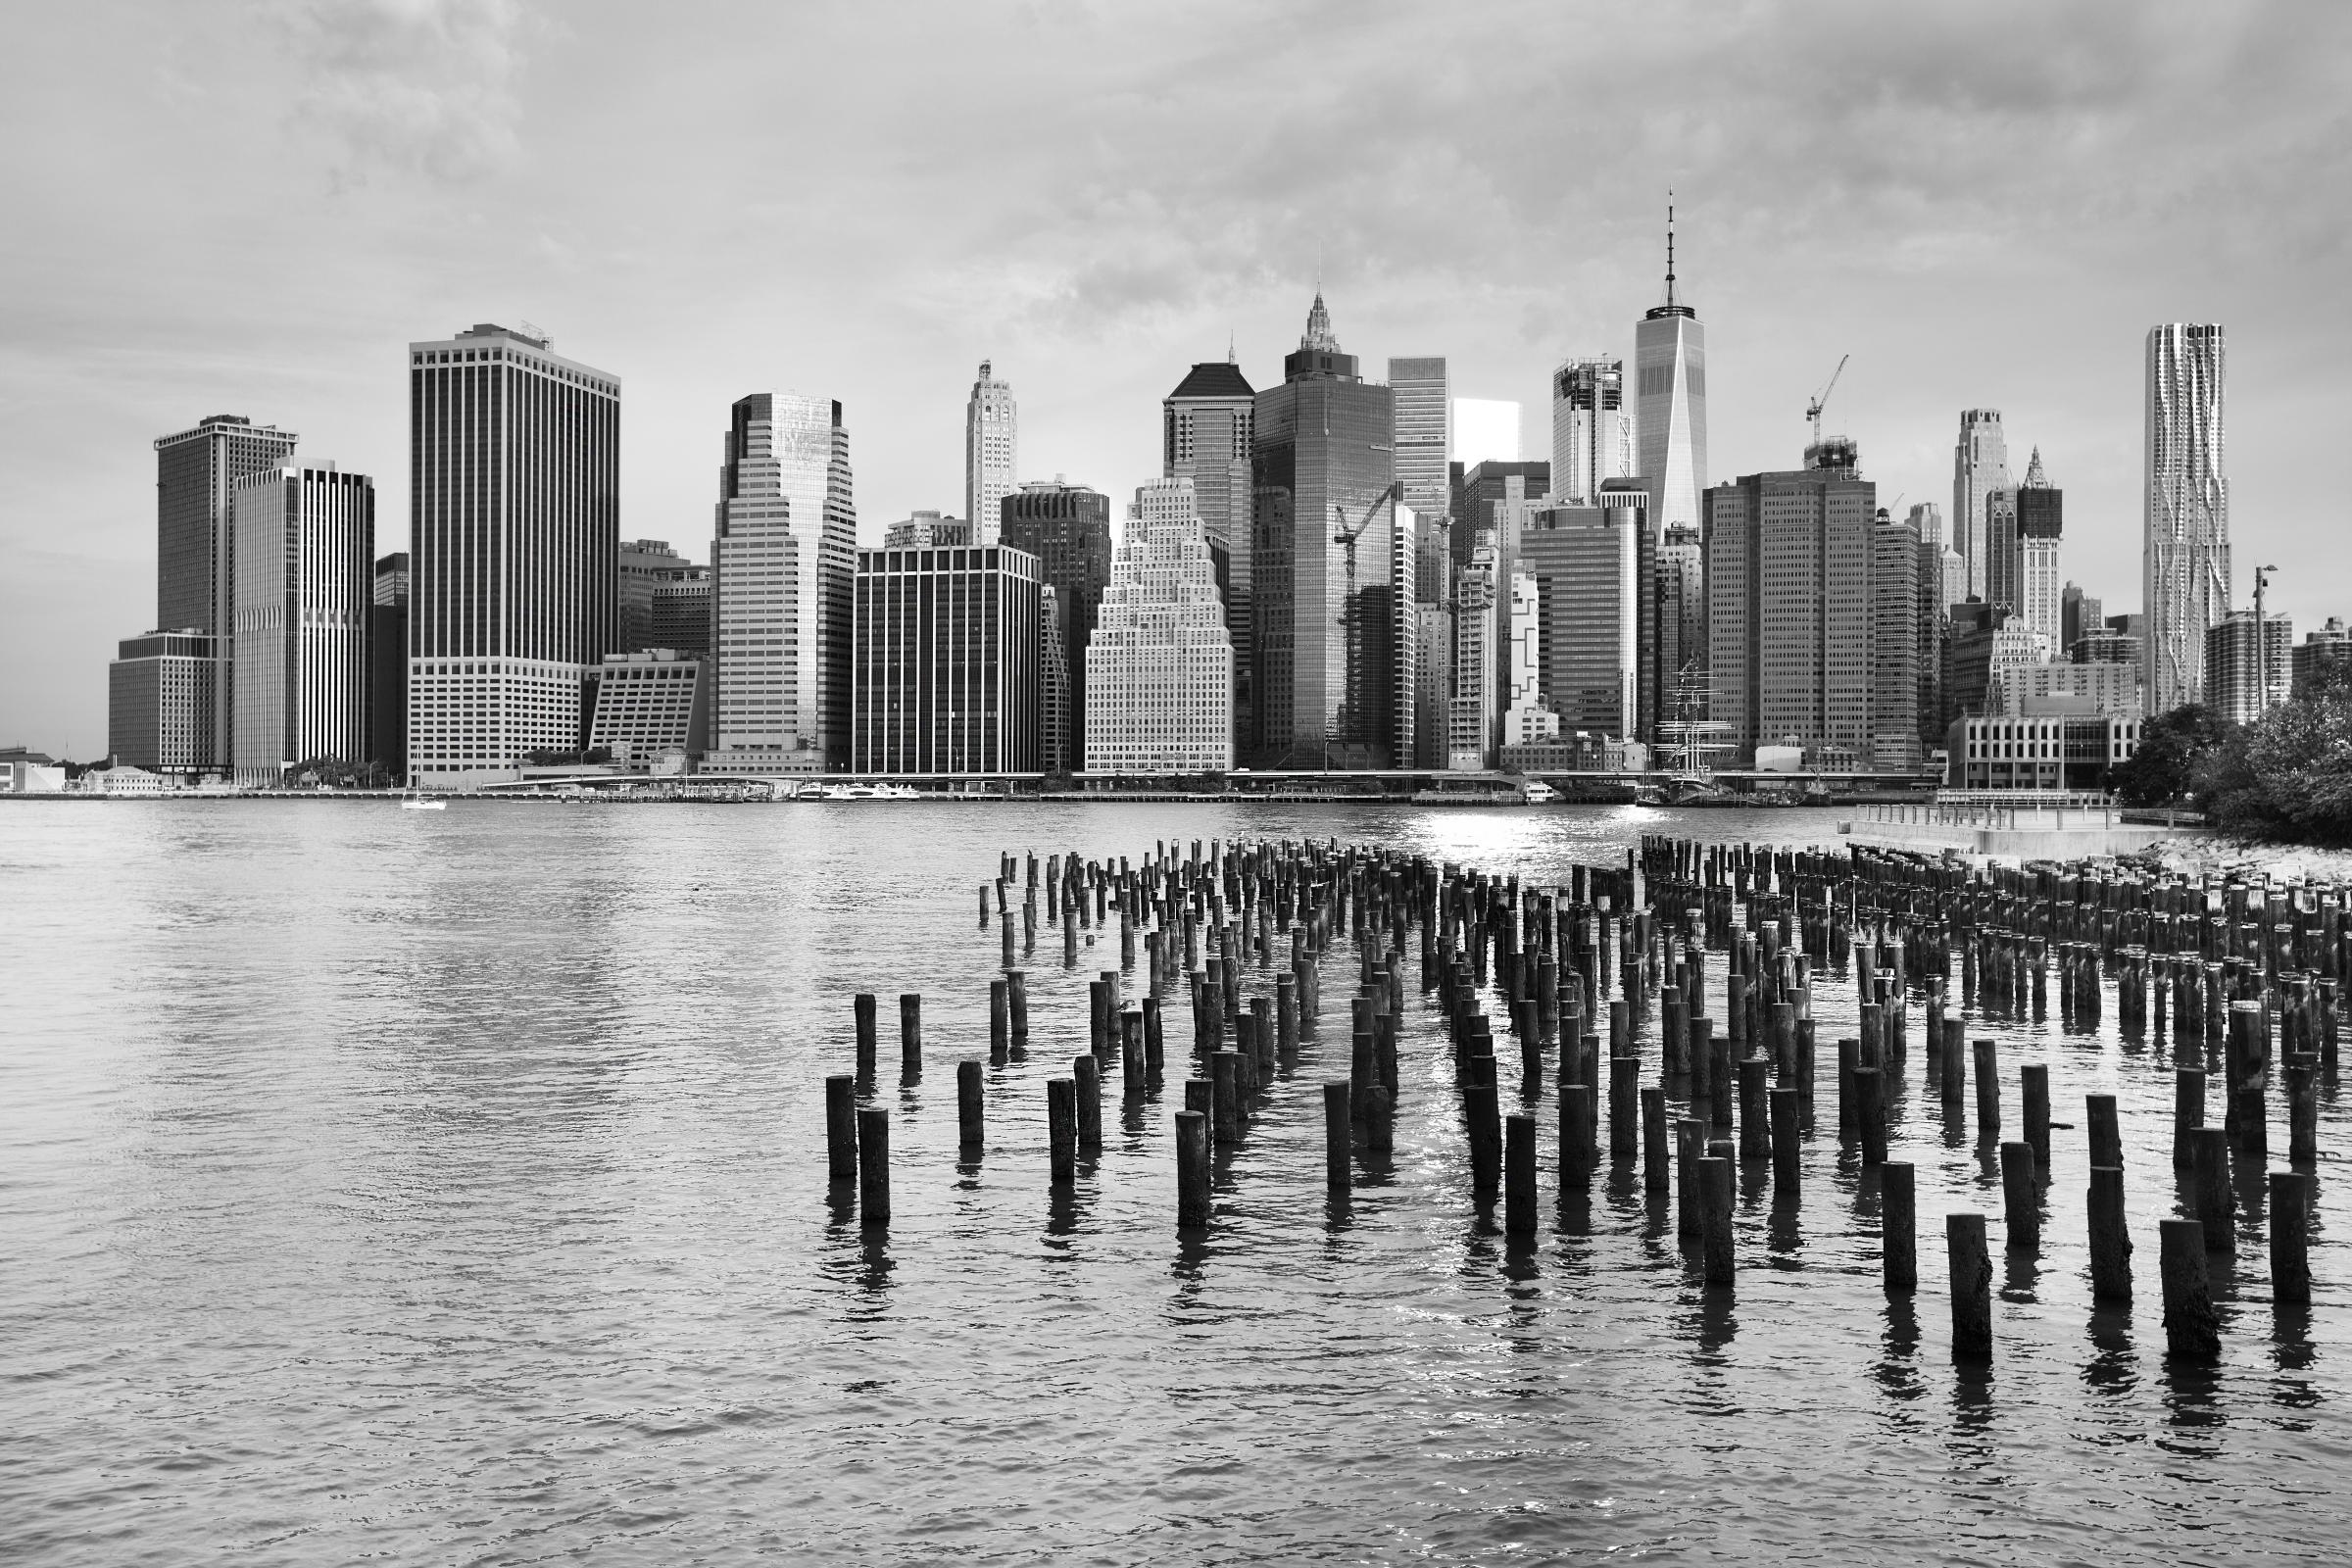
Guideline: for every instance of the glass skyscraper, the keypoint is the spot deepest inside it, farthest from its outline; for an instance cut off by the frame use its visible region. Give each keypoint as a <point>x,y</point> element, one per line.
<point>514,531</point>
<point>1670,403</point>
<point>2187,565</point>
<point>1592,429</point>
<point>1333,632</point>
<point>783,566</point>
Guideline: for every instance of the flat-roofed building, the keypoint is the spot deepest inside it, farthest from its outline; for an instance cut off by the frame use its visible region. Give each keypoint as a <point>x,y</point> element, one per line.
<point>515,527</point>
<point>2320,652</point>
<point>2039,750</point>
<point>160,716</point>
<point>1067,528</point>
<point>946,674</point>
<point>2245,676</point>
<point>306,586</point>
<point>651,701</point>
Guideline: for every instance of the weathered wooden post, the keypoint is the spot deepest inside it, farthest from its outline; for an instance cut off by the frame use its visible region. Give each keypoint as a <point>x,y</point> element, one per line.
<point>1755,1130</point>
<point>1016,1011</point>
<point>1654,1140</point>
<point>1087,1073</point>
<point>2291,1243</point>
<point>2190,1329</point>
<point>1898,1229</point>
<point>2106,1133</point>
<point>1784,1149</point>
<point>1339,1136</point>
<point>2110,1239</point>
<point>2034,1098</point>
<point>1715,1220</point>
<point>1972,1286</point>
<point>1485,1116</point>
<point>1061,1129</point>
<point>1869,1114</point>
<point>971,1125</point>
<point>2021,1209</point>
<point>1191,1169</point>
<point>1225,1076</point>
<point>2189,1114</point>
<point>1000,1030</point>
<point>1576,1135</point>
<point>910,1036</point>
<point>1625,1099</point>
<point>2216,1203</point>
<point>873,1165</point>
<point>1988,1091</point>
<point>1519,1174</point>
<point>841,1128</point>
<point>862,1005</point>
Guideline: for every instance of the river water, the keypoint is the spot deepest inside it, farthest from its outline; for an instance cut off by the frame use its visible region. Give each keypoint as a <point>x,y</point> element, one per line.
<point>450,1188</point>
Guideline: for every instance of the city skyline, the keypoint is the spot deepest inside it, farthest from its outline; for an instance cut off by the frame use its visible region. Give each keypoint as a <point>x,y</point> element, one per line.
<point>289,305</point>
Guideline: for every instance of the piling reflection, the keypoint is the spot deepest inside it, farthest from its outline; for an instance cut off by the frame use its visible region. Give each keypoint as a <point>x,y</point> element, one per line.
<point>1898,1369</point>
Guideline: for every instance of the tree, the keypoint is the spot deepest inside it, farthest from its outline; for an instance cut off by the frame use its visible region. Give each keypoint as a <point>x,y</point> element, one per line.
<point>2288,776</point>
<point>2172,747</point>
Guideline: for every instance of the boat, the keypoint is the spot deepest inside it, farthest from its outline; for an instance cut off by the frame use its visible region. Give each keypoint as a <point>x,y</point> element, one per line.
<point>1538,793</point>
<point>413,801</point>
<point>861,791</point>
<point>1476,796</point>
<point>1649,795</point>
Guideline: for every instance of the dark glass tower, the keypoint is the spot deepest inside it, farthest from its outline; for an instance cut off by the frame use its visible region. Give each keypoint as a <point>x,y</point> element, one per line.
<point>1332,673</point>
<point>1067,528</point>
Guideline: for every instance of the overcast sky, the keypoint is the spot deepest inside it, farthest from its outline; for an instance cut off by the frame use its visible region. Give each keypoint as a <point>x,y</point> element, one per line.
<point>253,208</point>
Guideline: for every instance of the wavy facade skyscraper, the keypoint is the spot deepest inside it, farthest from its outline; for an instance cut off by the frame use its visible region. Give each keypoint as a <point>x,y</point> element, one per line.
<point>2185,567</point>
<point>1670,404</point>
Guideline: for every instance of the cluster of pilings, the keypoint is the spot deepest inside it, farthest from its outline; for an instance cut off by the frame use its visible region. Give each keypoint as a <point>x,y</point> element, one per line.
<point>1580,971</point>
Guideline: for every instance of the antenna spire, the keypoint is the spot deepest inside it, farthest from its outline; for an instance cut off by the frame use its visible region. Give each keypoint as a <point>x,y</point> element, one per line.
<point>1670,247</point>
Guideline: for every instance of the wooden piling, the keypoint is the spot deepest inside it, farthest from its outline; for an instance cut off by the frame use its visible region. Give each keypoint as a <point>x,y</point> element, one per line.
<point>1061,1129</point>
<point>1869,1114</point>
<point>1898,1229</point>
<point>2190,1329</point>
<point>863,1007</point>
<point>1988,1091</point>
<point>2290,1244</point>
<point>1690,1148</point>
<point>873,1165</point>
<point>1715,1220</point>
<point>2110,1239</point>
<point>2106,1133</point>
<point>1192,1170</point>
<point>1087,1072</point>
<point>1338,1137</point>
<point>2212,1199</point>
<point>1654,1140</point>
<point>971,1124</point>
<point>910,1035</point>
<point>2034,1101</point>
<point>841,1128</point>
<point>1225,1075</point>
<point>2189,1112</point>
<point>1625,1103</point>
<point>999,1029</point>
<point>1519,1173</point>
<point>1484,1115</point>
<point>1972,1286</point>
<point>2020,1205</point>
<point>1786,1112</point>
<point>1577,1153</point>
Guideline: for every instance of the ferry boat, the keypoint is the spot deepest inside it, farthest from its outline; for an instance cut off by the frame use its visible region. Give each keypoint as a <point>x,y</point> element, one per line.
<point>413,801</point>
<point>864,792</point>
<point>1538,793</point>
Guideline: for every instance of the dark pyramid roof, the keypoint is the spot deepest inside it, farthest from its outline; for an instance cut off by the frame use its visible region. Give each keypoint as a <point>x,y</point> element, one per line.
<point>1214,378</point>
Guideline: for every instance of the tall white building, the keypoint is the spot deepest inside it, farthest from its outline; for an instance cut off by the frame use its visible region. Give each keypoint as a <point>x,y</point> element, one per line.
<point>1470,726</point>
<point>2040,572</point>
<point>1670,404</point>
<point>1423,435</point>
<point>2186,567</point>
<point>305,582</point>
<point>513,546</point>
<point>1526,718</point>
<point>1592,429</point>
<point>1980,467</point>
<point>785,562</point>
<point>992,449</point>
<point>1160,667</point>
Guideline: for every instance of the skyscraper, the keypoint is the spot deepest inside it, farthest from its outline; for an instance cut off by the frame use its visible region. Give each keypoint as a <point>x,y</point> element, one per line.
<point>388,667</point>
<point>1207,425</point>
<point>306,582</point>
<point>160,693</point>
<point>196,475</point>
<point>1789,610</point>
<point>644,565</point>
<point>515,527</point>
<point>2247,675</point>
<point>1424,437</point>
<point>1333,647</point>
<point>1670,403</point>
<point>1493,497</point>
<point>992,452</point>
<point>1067,528</point>
<point>2186,564</point>
<point>1681,618</point>
<point>1894,645</point>
<point>1938,565</point>
<point>1473,724</point>
<point>1592,429</point>
<point>2041,524</point>
<point>946,661</point>
<point>783,565</point>
<point>1592,564</point>
<point>1159,665</point>
<point>1980,467</point>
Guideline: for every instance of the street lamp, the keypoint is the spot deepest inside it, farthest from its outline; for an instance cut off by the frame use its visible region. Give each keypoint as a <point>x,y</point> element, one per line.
<point>2262,643</point>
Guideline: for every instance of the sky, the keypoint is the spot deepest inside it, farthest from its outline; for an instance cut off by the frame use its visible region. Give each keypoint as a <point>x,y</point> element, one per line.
<point>253,208</point>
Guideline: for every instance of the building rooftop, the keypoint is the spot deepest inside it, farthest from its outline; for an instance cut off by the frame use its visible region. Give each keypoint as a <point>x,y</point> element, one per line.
<point>1214,378</point>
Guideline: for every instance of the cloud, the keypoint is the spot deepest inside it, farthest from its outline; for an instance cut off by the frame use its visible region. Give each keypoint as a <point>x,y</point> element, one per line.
<point>419,88</point>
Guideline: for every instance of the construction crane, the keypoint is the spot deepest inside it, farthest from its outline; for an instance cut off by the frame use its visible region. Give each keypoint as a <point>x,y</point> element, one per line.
<point>1821,397</point>
<point>1349,536</point>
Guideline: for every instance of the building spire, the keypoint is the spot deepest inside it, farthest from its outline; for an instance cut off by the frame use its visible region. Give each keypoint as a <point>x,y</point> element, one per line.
<point>1230,357</point>
<point>1670,247</point>
<point>2035,479</point>
<point>1318,326</point>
